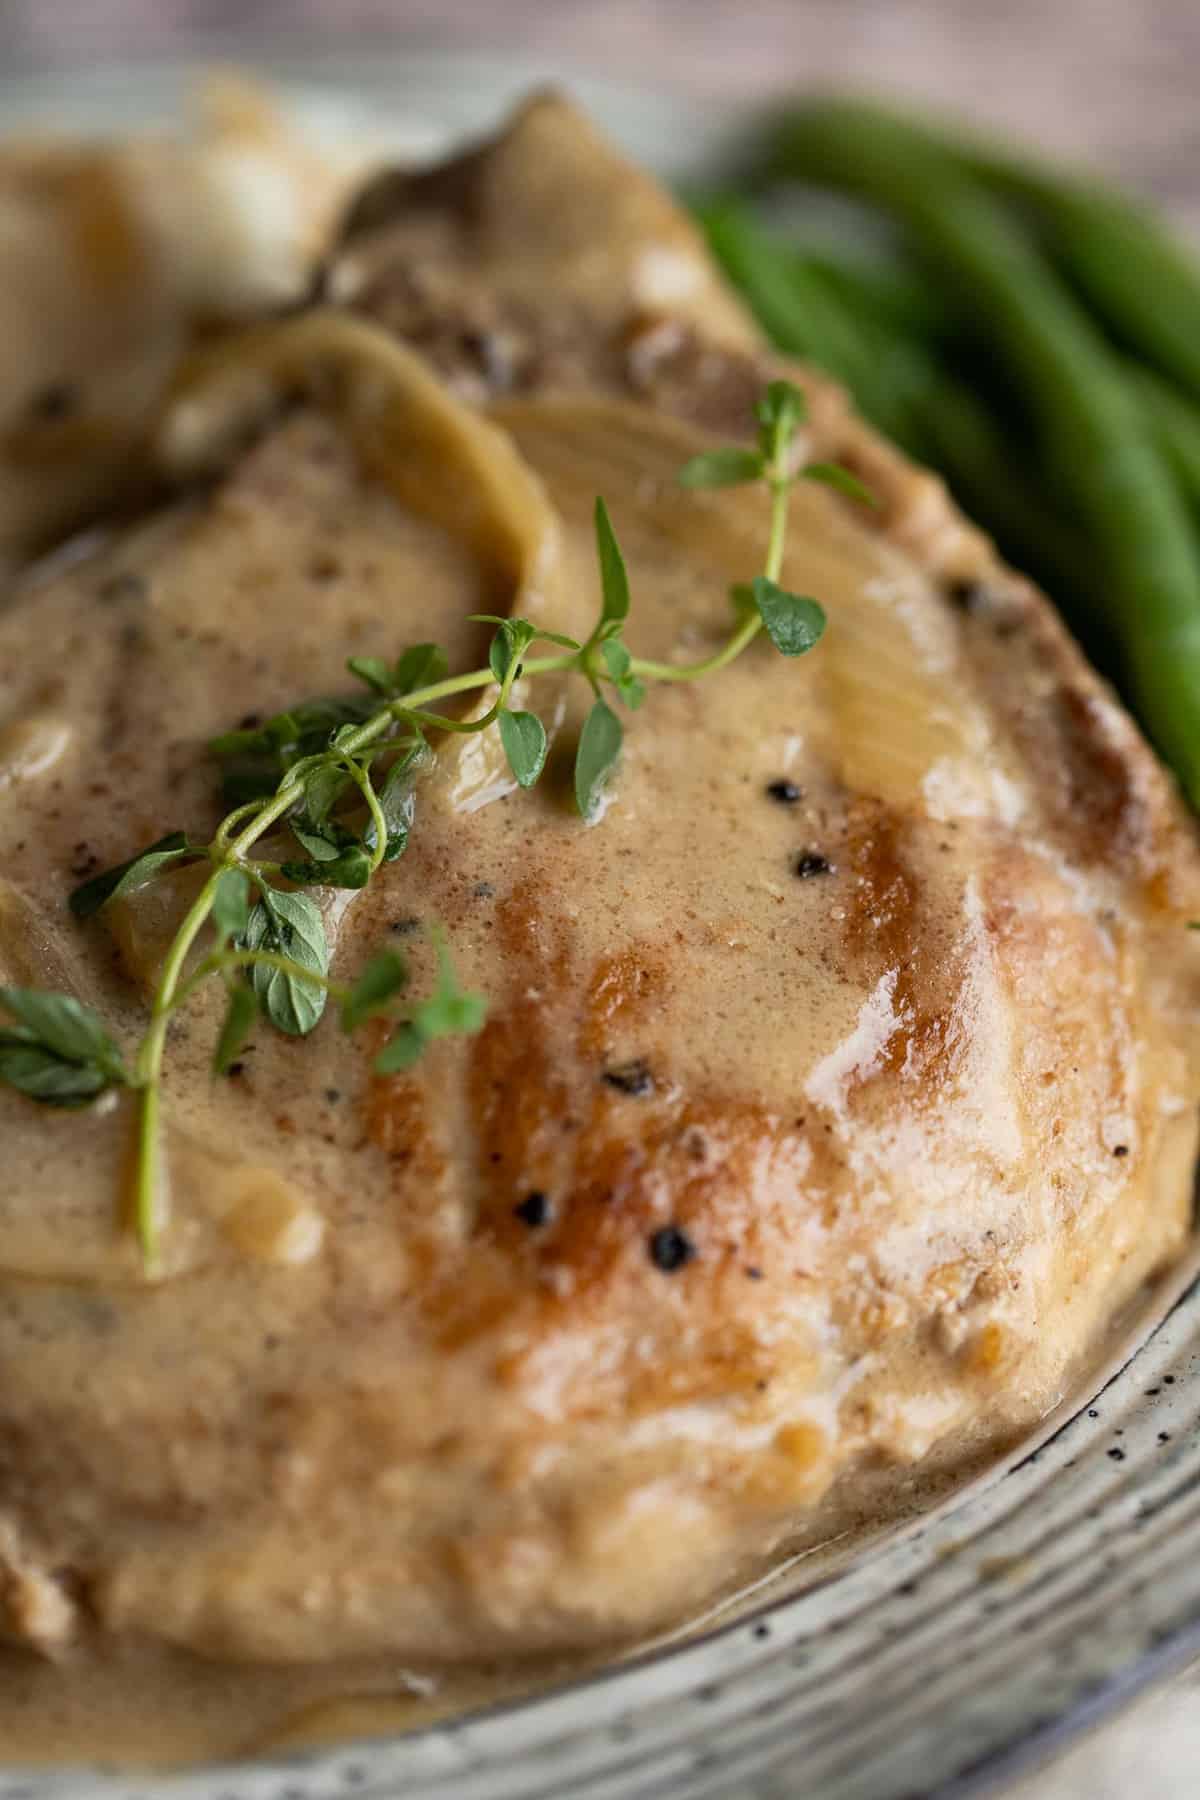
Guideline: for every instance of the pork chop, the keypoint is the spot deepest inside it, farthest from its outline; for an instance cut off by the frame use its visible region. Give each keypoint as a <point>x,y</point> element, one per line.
<point>838,1086</point>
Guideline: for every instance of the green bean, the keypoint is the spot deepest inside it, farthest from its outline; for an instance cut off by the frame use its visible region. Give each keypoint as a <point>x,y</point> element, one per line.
<point>889,293</point>
<point>1129,266</point>
<point>799,315</point>
<point>1176,424</point>
<point>1139,279</point>
<point>1094,436</point>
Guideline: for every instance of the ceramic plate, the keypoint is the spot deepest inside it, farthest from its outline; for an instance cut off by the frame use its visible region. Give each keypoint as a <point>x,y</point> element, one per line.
<point>931,1663</point>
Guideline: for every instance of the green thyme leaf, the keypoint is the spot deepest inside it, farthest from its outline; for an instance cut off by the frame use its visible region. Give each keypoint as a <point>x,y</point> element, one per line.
<point>509,645</point>
<point>540,636</point>
<point>397,801</point>
<point>524,738</point>
<point>240,1015</point>
<point>380,981</point>
<point>449,1009</point>
<point>40,1073</point>
<point>320,847</point>
<point>618,661</point>
<point>614,580</point>
<point>794,623</point>
<point>137,872</point>
<point>421,665</point>
<point>448,1012</point>
<point>350,868</point>
<point>256,760</point>
<point>323,788</point>
<point>616,657</point>
<point>833,475</point>
<point>63,1025</point>
<point>302,730</point>
<point>402,1050</point>
<point>727,467</point>
<point>231,903</point>
<point>375,672</point>
<point>288,925</point>
<point>599,747</point>
<point>557,637</point>
<point>782,408</point>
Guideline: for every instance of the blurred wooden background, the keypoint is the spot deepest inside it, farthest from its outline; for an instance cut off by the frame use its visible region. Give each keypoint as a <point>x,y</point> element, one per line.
<point>1118,79</point>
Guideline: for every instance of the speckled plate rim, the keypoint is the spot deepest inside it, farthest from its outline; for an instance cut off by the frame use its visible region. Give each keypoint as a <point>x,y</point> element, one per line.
<point>952,1651</point>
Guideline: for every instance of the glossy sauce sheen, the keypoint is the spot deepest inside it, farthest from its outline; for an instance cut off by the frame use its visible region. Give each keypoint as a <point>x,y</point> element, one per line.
<point>870,988</point>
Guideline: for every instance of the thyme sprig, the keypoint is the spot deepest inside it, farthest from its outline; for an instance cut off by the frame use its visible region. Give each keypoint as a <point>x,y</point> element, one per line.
<point>337,776</point>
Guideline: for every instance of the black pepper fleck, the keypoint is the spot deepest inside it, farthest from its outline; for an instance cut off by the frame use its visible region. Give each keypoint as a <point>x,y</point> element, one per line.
<point>249,721</point>
<point>407,925</point>
<point>631,1078</point>
<point>236,1068</point>
<point>753,1273</point>
<point>784,793</point>
<point>333,1095</point>
<point>761,1630</point>
<point>1120,1149</point>
<point>483,890</point>
<point>670,1249</point>
<point>534,1210</point>
<point>1116,1454</point>
<point>56,401</point>
<point>810,862</point>
<point>1164,1437</point>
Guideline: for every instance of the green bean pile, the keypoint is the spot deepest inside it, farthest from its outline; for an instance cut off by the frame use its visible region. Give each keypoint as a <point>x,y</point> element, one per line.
<point>1032,335</point>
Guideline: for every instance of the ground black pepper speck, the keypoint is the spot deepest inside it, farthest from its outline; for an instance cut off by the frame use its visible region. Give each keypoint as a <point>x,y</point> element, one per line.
<point>784,793</point>
<point>57,400</point>
<point>534,1210</point>
<point>810,862</point>
<point>670,1249</point>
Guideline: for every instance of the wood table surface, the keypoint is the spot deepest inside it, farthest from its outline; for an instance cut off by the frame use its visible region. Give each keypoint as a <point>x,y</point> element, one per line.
<point>1114,81</point>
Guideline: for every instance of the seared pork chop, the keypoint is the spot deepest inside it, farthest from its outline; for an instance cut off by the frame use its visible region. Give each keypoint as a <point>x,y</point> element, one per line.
<point>838,1085</point>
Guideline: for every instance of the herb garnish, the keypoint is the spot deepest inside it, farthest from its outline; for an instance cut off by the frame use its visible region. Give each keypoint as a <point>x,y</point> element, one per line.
<point>337,774</point>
